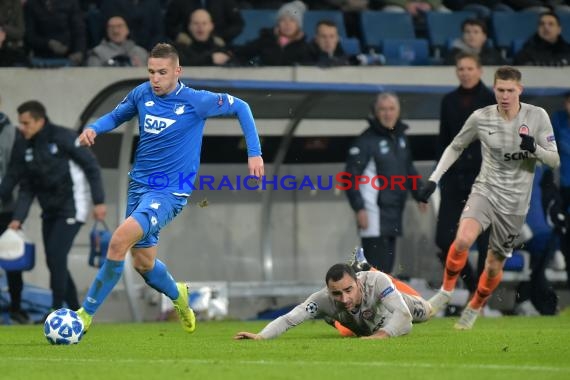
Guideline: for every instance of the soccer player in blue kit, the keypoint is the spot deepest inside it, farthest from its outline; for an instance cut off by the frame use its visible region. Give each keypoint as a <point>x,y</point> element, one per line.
<point>171,124</point>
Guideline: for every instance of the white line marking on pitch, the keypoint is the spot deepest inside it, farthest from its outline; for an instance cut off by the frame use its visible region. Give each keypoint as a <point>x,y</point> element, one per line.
<point>296,362</point>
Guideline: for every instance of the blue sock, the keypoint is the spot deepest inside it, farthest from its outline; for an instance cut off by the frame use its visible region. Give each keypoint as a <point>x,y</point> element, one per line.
<point>104,282</point>
<point>159,278</point>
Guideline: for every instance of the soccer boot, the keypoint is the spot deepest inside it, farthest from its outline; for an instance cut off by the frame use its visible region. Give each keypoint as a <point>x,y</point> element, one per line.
<point>185,313</point>
<point>85,318</point>
<point>439,301</point>
<point>358,261</point>
<point>468,318</point>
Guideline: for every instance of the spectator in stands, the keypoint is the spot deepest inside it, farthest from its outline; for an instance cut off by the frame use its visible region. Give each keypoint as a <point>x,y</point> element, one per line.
<point>561,125</point>
<point>201,47</point>
<point>144,18</point>
<point>381,150</point>
<point>55,29</point>
<point>474,41</point>
<point>326,49</point>
<point>15,278</point>
<point>414,7</point>
<point>12,33</point>
<point>456,183</point>
<point>224,13</point>
<point>283,45</point>
<point>117,49</point>
<point>538,6</point>
<point>546,47</point>
<point>483,8</point>
<point>49,165</point>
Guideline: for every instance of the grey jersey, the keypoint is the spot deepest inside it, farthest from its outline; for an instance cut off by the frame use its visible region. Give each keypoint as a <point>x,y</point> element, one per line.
<point>506,171</point>
<point>383,307</point>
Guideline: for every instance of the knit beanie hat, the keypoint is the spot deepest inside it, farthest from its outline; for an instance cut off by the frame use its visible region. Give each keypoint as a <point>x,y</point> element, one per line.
<point>294,9</point>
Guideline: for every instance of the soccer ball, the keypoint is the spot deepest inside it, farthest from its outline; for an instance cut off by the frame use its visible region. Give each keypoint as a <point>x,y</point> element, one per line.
<point>63,326</point>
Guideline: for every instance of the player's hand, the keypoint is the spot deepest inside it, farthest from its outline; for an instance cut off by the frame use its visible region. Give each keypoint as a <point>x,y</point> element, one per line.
<point>255,166</point>
<point>99,212</point>
<point>87,137</point>
<point>362,219</point>
<point>247,335</point>
<point>380,334</point>
<point>528,143</point>
<point>15,225</point>
<point>426,191</point>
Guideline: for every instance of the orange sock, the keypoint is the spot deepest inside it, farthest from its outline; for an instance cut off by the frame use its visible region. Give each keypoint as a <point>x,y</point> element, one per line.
<point>344,331</point>
<point>485,287</point>
<point>453,265</point>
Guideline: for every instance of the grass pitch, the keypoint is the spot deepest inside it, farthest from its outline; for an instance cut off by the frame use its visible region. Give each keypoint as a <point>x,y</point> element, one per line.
<point>497,348</point>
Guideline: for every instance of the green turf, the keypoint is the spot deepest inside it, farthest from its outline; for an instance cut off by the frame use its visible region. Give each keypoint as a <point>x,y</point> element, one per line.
<point>497,348</point>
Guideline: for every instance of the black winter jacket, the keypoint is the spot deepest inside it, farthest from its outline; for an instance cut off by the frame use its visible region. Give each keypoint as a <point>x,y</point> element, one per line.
<point>390,152</point>
<point>42,167</point>
<point>456,107</point>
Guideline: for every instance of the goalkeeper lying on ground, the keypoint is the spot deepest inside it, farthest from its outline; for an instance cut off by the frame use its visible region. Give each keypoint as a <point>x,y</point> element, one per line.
<point>369,304</point>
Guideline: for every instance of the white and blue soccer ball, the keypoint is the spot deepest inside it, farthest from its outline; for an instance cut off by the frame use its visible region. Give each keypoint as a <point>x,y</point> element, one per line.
<point>63,326</point>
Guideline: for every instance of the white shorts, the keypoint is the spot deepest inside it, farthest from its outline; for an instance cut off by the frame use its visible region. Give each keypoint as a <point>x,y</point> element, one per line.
<point>504,228</point>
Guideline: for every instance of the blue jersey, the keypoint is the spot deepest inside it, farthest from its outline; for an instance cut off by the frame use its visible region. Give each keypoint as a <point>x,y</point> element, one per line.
<point>171,129</point>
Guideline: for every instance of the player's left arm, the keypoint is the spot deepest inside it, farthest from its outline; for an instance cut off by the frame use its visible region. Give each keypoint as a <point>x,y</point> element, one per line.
<point>215,104</point>
<point>546,150</point>
<point>400,323</point>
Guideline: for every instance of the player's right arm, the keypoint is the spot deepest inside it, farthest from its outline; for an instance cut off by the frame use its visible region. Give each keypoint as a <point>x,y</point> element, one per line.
<point>466,136</point>
<point>307,310</point>
<point>124,111</point>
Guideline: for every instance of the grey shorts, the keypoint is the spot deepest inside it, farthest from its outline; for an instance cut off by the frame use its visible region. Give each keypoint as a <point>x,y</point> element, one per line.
<point>504,228</point>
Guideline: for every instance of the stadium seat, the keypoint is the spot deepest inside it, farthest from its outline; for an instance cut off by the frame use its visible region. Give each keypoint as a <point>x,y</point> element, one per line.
<point>49,63</point>
<point>95,26</point>
<point>351,46</point>
<point>565,23</point>
<point>377,26</point>
<point>441,27</point>
<point>254,21</point>
<point>312,18</point>
<point>517,45</point>
<point>403,52</point>
<point>508,26</point>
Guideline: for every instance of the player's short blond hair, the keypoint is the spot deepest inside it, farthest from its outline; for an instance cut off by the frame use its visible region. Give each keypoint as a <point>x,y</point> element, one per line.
<point>508,73</point>
<point>164,50</point>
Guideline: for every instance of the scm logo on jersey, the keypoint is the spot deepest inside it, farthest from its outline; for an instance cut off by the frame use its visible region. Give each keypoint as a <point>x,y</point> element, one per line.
<point>154,124</point>
<point>515,156</point>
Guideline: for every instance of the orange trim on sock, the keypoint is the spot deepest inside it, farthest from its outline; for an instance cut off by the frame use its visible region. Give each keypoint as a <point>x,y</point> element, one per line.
<point>485,288</point>
<point>344,331</point>
<point>455,262</point>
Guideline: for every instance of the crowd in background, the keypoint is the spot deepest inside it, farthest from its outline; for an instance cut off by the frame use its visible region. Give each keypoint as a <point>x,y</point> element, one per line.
<point>42,33</point>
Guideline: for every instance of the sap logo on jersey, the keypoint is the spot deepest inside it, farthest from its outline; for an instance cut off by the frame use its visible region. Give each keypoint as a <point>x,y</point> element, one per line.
<point>155,124</point>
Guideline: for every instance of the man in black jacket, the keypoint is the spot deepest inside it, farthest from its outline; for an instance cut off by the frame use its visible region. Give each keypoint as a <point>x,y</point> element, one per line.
<point>546,47</point>
<point>49,164</point>
<point>381,150</point>
<point>455,185</point>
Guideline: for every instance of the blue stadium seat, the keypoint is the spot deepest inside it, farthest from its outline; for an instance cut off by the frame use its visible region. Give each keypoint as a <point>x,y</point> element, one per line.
<point>508,26</point>
<point>351,46</point>
<point>441,27</point>
<point>565,23</point>
<point>403,52</point>
<point>95,26</point>
<point>254,21</point>
<point>377,26</point>
<point>49,63</point>
<point>517,45</point>
<point>312,18</point>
